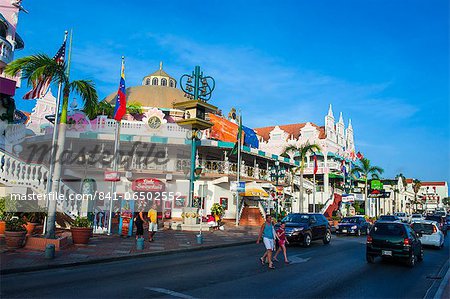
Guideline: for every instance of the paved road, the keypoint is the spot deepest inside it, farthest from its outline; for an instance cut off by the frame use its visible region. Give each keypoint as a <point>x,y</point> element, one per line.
<point>335,270</point>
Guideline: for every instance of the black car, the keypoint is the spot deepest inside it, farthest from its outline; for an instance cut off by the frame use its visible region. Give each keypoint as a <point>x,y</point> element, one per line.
<point>304,228</point>
<point>395,240</point>
<point>442,223</point>
<point>389,218</point>
<point>353,225</point>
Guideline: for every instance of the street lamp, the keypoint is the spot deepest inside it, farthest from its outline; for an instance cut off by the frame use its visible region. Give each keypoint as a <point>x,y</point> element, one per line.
<point>277,172</point>
<point>198,89</point>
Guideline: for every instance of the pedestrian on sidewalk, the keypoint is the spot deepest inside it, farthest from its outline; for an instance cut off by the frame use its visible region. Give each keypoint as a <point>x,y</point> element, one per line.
<point>153,223</point>
<point>281,234</point>
<point>267,232</point>
<point>139,221</point>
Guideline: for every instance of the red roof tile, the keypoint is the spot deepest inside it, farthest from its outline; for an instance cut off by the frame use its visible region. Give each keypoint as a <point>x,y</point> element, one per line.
<point>292,130</point>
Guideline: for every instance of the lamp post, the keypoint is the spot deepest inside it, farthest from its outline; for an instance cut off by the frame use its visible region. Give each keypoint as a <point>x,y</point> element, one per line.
<point>198,89</point>
<point>277,172</point>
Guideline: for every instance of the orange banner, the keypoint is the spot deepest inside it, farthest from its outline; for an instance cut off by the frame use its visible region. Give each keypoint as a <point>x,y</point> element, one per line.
<point>223,129</point>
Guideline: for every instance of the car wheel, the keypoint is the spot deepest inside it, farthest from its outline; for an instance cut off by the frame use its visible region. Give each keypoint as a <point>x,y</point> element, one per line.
<point>420,257</point>
<point>412,260</point>
<point>307,240</point>
<point>327,238</point>
<point>370,258</point>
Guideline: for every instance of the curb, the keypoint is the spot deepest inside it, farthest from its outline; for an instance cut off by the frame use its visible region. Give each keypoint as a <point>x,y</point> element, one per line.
<point>444,283</point>
<point>119,258</point>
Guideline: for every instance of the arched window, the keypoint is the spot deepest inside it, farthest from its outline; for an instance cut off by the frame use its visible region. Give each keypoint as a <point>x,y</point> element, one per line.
<point>147,82</point>
<point>155,81</point>
<point>172,83</point>
<point>3,30</point>
<point>164,82</point>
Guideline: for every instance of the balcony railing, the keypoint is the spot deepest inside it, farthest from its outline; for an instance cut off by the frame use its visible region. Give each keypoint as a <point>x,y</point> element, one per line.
<point>6,53</point>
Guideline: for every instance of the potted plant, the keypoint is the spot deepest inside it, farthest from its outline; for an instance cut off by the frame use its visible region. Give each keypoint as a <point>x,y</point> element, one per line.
<point>217,211</point>
<point>81,230</point>
<point>15,233</point>
<point>336,220</point>
<point>33,219</point>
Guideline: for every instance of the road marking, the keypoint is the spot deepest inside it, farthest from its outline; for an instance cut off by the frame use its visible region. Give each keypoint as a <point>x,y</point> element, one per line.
<point>296,259</point>
<point>169,292</point>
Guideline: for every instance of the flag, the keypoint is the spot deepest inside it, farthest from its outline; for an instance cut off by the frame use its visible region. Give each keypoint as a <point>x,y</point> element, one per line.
<point>40,87</point>
<point>121,101</point>
<point>359,156</point>
<point>353,155</point>
<point>315,163</point>
<point>234,151</point>
<point>343,168</point>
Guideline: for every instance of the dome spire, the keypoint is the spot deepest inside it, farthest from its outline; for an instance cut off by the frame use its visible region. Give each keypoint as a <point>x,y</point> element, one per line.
<point>341,119</point>
<point>160,65</point>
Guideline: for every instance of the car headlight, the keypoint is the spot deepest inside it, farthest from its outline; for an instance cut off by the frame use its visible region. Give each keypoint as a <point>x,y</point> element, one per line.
<point>337,226</point>
<point>354,227</point>
<point>297,229</point>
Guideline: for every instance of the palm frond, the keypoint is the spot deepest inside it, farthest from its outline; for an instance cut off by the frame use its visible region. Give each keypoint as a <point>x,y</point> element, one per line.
<point>86,90</point>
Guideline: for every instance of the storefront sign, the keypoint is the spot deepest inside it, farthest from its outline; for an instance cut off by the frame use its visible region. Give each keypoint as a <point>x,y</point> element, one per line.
<point>148,185</point>
<point>237,186</point>
<point>112,176</point>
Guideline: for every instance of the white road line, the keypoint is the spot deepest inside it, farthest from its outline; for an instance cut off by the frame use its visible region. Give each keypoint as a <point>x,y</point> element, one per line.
<point>169,292</point>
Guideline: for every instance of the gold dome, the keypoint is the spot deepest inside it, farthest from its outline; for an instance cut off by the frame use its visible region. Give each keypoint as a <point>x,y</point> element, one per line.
<point>151,96</point>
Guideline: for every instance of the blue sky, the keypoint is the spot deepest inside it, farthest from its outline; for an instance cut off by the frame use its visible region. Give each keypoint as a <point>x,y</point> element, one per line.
<point>383,63</point>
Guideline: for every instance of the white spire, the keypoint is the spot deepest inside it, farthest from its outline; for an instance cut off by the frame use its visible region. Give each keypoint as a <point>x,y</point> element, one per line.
<point>330,111</point>
<point>350,123</point>
<point>341,119</point>
<point>160,65</point>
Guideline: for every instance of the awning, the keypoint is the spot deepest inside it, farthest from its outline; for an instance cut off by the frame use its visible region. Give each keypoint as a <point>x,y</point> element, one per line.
<point>253,189</point>
<point>335,176</point>
<point>19,42</point>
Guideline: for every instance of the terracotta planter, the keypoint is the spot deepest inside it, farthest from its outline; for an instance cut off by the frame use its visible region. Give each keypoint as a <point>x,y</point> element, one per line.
<point>30,226</point>
<point>81,235</point>
<point>15,240</point>
<point>2,227</point>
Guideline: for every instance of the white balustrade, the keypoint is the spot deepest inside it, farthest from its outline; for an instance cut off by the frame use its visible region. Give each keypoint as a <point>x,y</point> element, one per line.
<point>17,173</point>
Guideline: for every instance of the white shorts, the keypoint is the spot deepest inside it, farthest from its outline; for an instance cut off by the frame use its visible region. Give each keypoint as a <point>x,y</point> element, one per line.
<point>269,243</point>
<point>152,227</point>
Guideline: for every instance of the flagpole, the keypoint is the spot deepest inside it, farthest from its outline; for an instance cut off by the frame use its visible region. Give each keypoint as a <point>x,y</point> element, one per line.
<point>116,159</point>
<point>115,169</point>
<point>314,193</point>
<point>238,175</point>
<point>54,139</point>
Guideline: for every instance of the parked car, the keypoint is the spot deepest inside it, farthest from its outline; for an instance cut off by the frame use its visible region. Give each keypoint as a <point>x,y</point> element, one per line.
<point>356,225</point>
<point>388,218</point>
<point>430,233</point>
<point>447,221</point>
<point>306,227</point>
<point>402,216</point>
<point>415,217</point>
<point>395,240</point>
<point>441,222</point>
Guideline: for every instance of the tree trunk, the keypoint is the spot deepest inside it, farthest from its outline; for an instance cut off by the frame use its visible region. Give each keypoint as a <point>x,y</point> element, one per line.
<point>300,204</point>
<point>51,218</point>
<point>366,201</point>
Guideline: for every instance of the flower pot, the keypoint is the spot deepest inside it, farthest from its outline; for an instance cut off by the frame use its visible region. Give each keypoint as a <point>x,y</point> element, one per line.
<point>30,226</point>
<point>2,227</point>
<point>81,235</point>
<point>15,240</point>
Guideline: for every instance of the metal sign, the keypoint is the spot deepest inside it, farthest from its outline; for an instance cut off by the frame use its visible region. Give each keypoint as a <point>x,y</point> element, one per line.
<point>236,186</point>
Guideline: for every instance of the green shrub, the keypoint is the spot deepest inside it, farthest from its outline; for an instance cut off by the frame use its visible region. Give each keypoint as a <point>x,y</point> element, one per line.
<point>82,222</point>
<point>15,225</point>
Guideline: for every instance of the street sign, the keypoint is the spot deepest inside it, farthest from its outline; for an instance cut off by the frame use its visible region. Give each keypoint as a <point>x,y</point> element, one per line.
<point>376,185</point>
<point>112,176</point>
<point>236,186</point>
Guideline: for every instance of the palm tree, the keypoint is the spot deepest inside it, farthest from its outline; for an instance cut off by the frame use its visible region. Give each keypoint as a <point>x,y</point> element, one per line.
<point>416,187</point>
<point>301,152</point>
<point>42,67</point>
<point>365,169</point>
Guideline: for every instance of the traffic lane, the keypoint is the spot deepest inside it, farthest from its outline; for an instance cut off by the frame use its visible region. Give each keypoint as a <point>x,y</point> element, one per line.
<point>179,272</point>
<point>343,273</point>
<point>227,272</point>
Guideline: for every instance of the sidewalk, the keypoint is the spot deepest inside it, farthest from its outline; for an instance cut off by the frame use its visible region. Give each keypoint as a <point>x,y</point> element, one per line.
<point>102,248</point>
